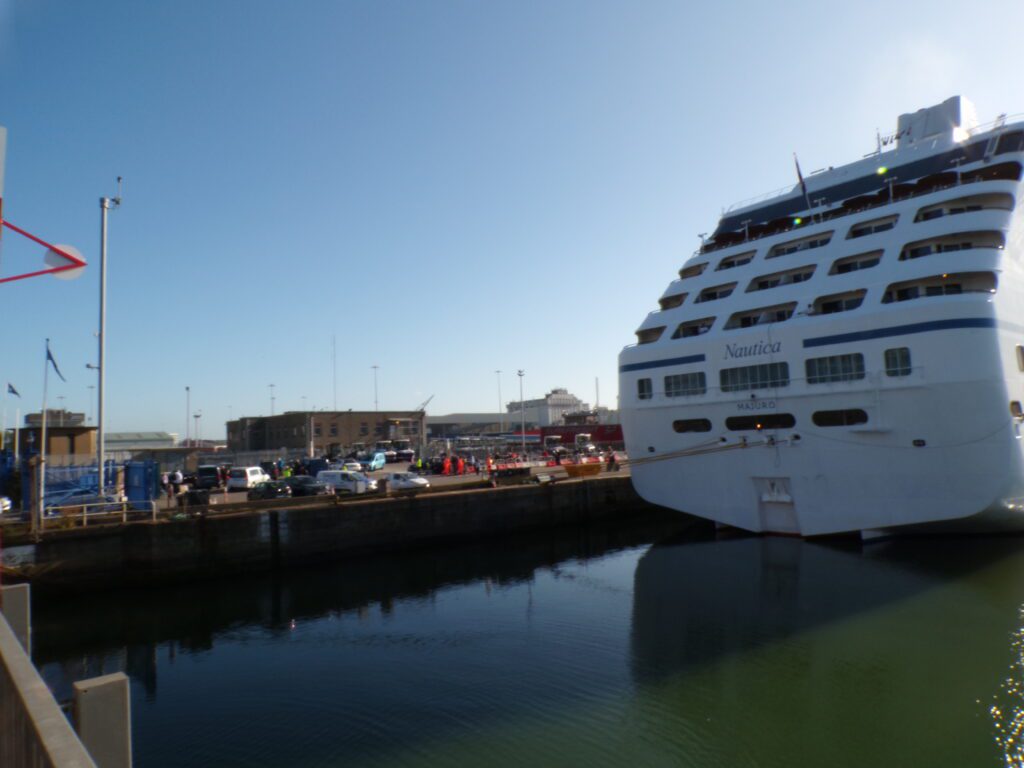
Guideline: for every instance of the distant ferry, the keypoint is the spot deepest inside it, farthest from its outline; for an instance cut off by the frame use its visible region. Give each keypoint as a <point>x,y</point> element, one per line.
<point>848,354</point>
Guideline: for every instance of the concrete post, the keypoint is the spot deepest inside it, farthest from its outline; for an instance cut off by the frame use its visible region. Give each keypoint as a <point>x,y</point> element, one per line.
<point>15,604</point>
<point>103,719</point>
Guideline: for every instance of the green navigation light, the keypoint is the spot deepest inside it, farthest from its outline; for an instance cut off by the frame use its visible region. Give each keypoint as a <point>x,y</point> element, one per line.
<point>882,171</point>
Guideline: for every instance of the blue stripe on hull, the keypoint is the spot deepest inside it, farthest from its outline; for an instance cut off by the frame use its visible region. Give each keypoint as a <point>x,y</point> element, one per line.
<point>901,330</point>
<point>661,363</point>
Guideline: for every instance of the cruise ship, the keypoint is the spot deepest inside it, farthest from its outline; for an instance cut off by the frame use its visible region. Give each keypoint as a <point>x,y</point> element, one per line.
<point>847,354</point>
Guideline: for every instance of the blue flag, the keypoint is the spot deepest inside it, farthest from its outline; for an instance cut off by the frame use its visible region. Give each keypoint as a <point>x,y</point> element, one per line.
<point>49,358</point>
<point>12,391</point>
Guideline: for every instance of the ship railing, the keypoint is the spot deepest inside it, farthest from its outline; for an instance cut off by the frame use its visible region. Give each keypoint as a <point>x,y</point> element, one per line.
<point>837,212</point>
<point>1000,122</point>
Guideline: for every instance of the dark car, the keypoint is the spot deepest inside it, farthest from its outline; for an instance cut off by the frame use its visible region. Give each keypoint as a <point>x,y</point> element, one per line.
<point>304,485</point>
<point>208,476</point>
<point>270,490</point>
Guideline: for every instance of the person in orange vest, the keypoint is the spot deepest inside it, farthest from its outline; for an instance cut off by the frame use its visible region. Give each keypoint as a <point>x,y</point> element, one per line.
<point>446,467</point>
<point>462,465</point>
<point>490,464</point>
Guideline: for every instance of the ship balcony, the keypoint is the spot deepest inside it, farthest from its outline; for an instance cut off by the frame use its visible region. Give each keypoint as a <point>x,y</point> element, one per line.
<point>970,222</point>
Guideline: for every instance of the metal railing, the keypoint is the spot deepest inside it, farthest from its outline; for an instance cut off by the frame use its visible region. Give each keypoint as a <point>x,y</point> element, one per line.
<point>98,512</point>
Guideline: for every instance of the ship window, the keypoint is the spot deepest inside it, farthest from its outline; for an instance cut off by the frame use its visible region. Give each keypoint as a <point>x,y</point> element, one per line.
<point>763,421</point>
<point>871,227</point>
<point>1000,172</point>
<point>748,377</point>
<point>840,302</point>
<point>844,418</point>
<point>644,391</point>
<point>994,202</point>
<point>763,316</point>
<point>941,285</point>
<point>1016,410</point>
<point>957,242</point>
<point>1020,358</point>
<point>793,246</point>
<point>856,262</point>
<point>693,328</point>
<point>686,384</point>
<point>715,292</point>
<point>1010,142</point>
<point>649,335</point>
<point>670,302</point>
<point>691,425</point>
<point>897,362</point>
<point>692,271</point>
<point>788,277</point>
<point>736,261</point>
<point>822,370</point>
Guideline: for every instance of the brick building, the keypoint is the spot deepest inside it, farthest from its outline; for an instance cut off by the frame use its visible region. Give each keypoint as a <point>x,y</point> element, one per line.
<point>331,431</point>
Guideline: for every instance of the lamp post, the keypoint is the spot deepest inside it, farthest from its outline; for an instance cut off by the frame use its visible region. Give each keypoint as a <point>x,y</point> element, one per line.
<point>188,410</point>
<point>106,204</point>
<point>501,414</point>
<point>196,417</point>
<point>522,411</point>
<point>61,398</point>
<point>271,399</point>
<point>375,367</point>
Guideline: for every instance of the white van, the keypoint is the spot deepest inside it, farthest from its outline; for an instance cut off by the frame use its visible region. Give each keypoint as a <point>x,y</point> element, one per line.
<point>243,478</point>
<point>342,481</point>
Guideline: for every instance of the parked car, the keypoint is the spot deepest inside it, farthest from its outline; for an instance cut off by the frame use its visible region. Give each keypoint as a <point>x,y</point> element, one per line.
<point>304,485</point>
<point>271,489</point>
<point>5,504</point>
<point>207,476</point>
<point>352,466</point>
<point>374,462</point>
<point>406,455</point>
<point>270,467</point>
<point>406,481</point>
<point>343,482</point>
<point>243,478</point>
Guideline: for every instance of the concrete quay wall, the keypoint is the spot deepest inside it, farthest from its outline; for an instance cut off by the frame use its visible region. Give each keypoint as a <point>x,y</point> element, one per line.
<point>224,543</point>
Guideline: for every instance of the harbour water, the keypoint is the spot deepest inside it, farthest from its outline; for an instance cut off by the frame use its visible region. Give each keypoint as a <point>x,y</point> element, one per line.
<point>607,646</point>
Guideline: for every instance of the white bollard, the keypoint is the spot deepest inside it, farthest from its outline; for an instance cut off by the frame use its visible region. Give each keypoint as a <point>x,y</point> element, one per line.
<point>103,719</point>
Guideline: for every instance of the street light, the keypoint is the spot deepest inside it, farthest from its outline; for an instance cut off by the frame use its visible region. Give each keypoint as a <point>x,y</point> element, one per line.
<point>106,204</point>
<point>375,367</point>
<point>197,416</point>
<point>501,415</point>
<point>271,399</point>
<point>90,386</point>
<point>522,411</point>
<point>188,410</point>
<point>61,398</point>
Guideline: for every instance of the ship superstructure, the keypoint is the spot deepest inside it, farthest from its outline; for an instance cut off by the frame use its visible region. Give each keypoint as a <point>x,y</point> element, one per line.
<point>847,355</point>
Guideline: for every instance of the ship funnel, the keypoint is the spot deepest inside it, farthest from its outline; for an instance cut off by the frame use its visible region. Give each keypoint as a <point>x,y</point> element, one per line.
<point>951,120</point>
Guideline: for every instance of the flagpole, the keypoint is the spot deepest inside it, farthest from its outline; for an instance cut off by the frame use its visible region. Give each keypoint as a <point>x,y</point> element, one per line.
<point>37,519</point>
<point>17,424</point>
<point>3,425</point>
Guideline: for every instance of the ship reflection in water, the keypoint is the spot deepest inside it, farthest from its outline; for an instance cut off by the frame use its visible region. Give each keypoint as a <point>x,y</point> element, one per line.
<point>777,651</point>
<point>577,648</point>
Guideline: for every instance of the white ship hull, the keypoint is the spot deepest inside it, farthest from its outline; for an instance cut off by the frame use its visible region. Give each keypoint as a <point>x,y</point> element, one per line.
<point>935,443</point>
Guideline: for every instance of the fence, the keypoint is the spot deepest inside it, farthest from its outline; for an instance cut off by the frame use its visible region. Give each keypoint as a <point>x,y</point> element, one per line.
<point>139,479</point>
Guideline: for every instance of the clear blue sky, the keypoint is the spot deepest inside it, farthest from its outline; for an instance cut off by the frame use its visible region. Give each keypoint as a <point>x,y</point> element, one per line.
<point>450,187</point>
